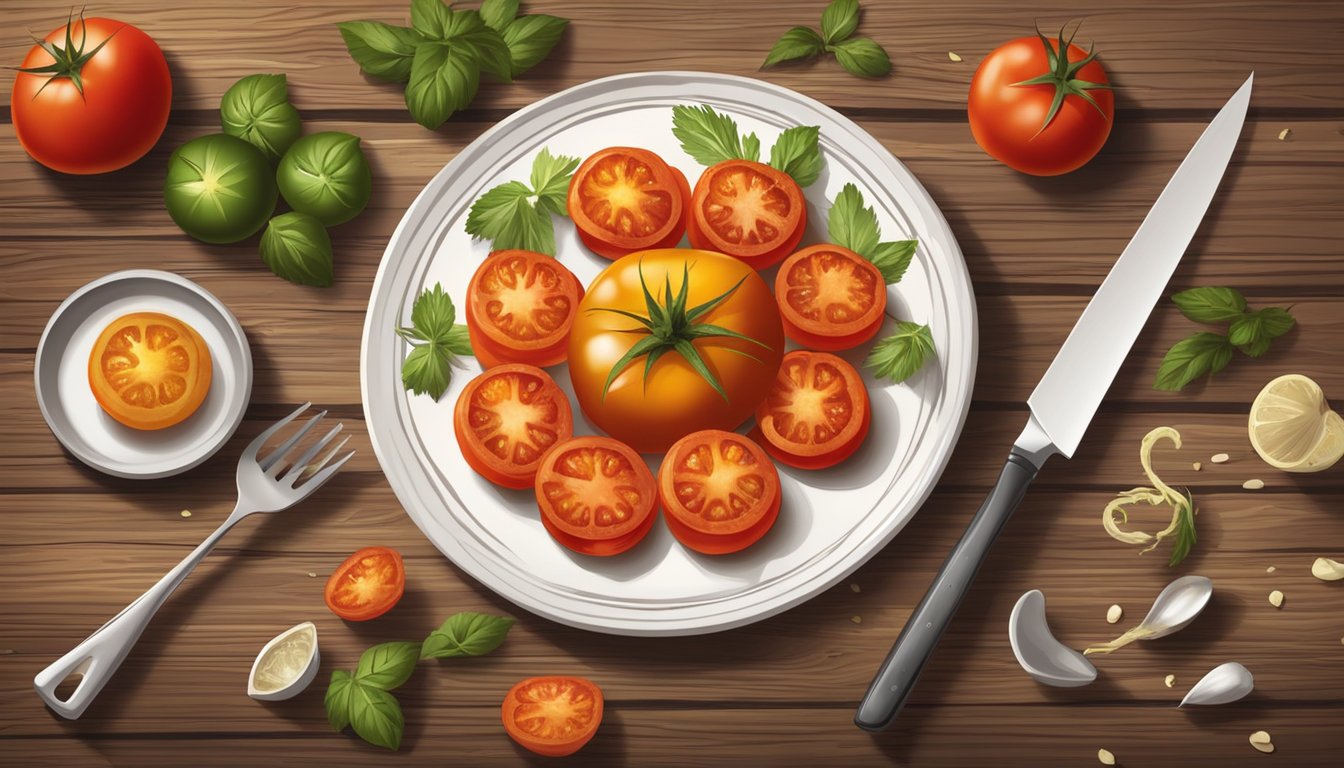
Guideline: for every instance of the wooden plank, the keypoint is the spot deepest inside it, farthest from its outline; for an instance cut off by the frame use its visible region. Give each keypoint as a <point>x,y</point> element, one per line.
<point>1145,46</point>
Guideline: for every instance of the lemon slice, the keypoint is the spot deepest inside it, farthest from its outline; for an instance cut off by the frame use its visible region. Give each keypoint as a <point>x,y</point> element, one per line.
<point>286,665</point>
<point>1293,428</point>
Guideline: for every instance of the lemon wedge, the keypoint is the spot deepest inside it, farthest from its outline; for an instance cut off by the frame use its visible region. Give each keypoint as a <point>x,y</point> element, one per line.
<point>1293,428</point>
<point>286,665</point>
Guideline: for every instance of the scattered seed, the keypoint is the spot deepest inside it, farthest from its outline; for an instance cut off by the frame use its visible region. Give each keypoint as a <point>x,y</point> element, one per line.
<point>856,619</point>
<point>854,588</point>
<point>1260,740</point>
<point>1196,465</point>
<point>1105,757</point>
<point>186,513</point>
<point>953,56</point>
<point>312,575</point>
<point>1254,484</point>
<point>1113,614</point>
<point>1271,569</point>
<point>1170,680</point>
<point>1219,458</point>
<point>1285,133</point>
<point>1276,598</point>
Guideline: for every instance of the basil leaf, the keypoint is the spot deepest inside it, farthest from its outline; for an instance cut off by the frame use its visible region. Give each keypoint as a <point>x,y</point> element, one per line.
<point>863,57</point>
<point>839,20</point>
<point>1211,304</point>
<point>444,79</point>
<point>431,18</point>
<point>426,369</point>
<point>711,137</point>
<point>796,153</point>
<point>256,109</point>
<point>381,50</point>
<point>531,38</point>
<point>467,28</point>
<point>338,699</point>
<point>506,216</point>
<point>433,313</point>
<point>466,634</point>
<point>851,224</point>
<point>893,259</point>
<point>1185,537</point>
<point>498,13</point>
<point>457,341</point>
<point>1192,357</point>
<point>296,246</point>
<point>796,43</point>
<point>551,175</point>
<point>899,355</point>
<point>387,665</point>
<point>1253,331</point>
<point>376,716</point>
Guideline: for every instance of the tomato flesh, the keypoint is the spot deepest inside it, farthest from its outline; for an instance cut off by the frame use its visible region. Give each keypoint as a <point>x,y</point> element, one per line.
<point>817,413</point>
<point>719,490</point>
<point>507,418</point>
<point>747,210</point>
<point>367,584</point>
<point>830,297</point>
<point>149,370</point>
<point>596,495</point>
<point>553,716</point>
<point>520,307</point>
<point>624,199</point>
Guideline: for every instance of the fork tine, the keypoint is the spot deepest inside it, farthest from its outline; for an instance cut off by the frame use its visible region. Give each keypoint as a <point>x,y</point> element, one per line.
<point>322,477</point>
<point>272,462</point>
<point>302,461</point>
<point>257,442</point>
<point>313,468</point>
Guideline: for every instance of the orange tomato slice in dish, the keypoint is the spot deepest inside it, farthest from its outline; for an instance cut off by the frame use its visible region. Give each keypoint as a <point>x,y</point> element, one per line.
<point>747,210</point>
<point>553,716</point>
<point>520,306</point>
<point>366,585</point>
<point>830,297</point>
<point>719,490</point>
<point>816,414</point>
<point>596,495</point>
<point>624,199</point>
<point>507,418</point>
<point>149,371</point>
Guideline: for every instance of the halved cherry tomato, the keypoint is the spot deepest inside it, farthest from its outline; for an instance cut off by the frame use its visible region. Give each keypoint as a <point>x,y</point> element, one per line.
<point>830,297</point>
<point>507,418</point>
<point>747,210</point>
<point>719,490</point>
<point>366,585</point>
<point>596,495</point>
<point>552,716</point>
<point>816,414</point>
<point>624,199</point>
<point>520,306</point>
<point>149,370</point>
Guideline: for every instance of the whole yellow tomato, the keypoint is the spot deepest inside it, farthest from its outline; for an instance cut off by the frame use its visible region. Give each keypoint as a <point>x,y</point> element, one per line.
<point>703,357</point>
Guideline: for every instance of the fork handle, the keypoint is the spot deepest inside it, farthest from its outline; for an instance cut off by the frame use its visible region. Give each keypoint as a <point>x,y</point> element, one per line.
<point>99,655</point>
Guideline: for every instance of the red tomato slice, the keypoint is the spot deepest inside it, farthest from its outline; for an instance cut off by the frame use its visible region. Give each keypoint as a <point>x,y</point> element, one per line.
<point>366,585</point>
<point>816,414</point>
<point>553,716</point>
<point>507,418</point>
<point>520,306</point>
<point>596,495</point>
<point>624,199</point>
<point>830,297</point>
<point>719,490</point>
<point>748,210</point>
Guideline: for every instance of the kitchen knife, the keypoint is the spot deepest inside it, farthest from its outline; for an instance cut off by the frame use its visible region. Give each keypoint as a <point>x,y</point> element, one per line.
<point>1068,395</point>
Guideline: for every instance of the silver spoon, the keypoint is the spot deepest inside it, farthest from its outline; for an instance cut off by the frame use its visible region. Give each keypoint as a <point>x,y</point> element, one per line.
<point>1175,607</point>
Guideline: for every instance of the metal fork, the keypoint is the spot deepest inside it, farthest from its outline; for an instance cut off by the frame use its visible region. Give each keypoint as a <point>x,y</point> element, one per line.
<point>261,488</point>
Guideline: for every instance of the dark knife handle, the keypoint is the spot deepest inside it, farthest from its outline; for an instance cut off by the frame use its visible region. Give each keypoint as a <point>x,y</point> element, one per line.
<point>900,671</point>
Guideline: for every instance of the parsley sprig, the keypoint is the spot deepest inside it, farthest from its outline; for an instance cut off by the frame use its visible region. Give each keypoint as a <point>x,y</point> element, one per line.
<point>1250,331</point>
<point>435,343</point>
<point>712,137</point>
<point>516,215</point>
<point>858,55</point>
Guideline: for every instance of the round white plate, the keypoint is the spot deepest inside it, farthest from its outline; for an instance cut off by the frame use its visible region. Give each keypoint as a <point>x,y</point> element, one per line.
<point>832,520</point>
<point>61,375</point>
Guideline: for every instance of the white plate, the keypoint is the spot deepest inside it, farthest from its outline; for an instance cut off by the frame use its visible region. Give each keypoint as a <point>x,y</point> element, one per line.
<point>832,521</point>
<point>61,375</point>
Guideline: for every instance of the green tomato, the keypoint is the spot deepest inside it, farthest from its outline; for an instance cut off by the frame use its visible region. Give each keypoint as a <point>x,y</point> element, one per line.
<point>256,109</point>
<point>219,189</point>
<point>326,176</point>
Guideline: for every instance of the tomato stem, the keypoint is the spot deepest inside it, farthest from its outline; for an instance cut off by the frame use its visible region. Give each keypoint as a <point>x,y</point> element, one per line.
<point>1061,74</point>
<point>68,60</point>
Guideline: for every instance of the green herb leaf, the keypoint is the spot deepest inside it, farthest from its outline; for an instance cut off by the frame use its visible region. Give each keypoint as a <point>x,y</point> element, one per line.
<point>498,13</point>
<point>256,109</point>
<point>426,370</point>
<point>444,79</point>
<point>1211,304</point>
<point>892,259</point>
<point>337,700</point>
<point>1192,357</point>
<point>1184,535</point>
<point>457,341</point>
<point>531,38</point>
<point>466,634</point>
<point>797,43</point>
<point>796,153</point>
<point>851,224</point>
<point>861,56</point>
<point>387,665</point>
<point>433,313</point>
<point>435,342</point>
<point>550,180</point>
<point>381,50</point>
<point>839,20</point>
<point>296,246</point>
<point>431,18</point>
<point>506,216</point>
<point>492,53</point>
<point>899,355</point>
<point>1254,331</point>
<point>711,137</point>
<point>376,716</point>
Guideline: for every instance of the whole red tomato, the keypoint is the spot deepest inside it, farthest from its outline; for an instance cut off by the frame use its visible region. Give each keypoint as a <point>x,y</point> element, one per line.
<point>94,97</point>
<point>1037,112</point>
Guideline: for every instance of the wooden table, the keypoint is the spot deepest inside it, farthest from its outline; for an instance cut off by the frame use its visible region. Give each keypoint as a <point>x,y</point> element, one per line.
<point>78,545</point>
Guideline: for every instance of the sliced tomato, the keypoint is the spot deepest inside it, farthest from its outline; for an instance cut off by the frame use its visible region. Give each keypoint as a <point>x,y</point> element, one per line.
<point>830,297</point>
<point>596,495</point>
<point>366,585</point>
<point>553,716</point>
<point>520,306</point>
<point>816,414</point>
<point>507,418</point>
<point>719,491</point>
<point>149,370</point>
<point>624,199</point>
<point>747,210</point>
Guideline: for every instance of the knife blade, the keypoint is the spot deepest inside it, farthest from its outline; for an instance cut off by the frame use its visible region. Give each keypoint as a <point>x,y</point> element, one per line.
<point>1067,397</point>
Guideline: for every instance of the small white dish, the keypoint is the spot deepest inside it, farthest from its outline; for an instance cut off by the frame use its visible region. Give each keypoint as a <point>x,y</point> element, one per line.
<point>60,375</point>
<point>291,670</point>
